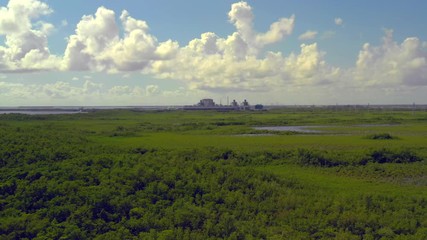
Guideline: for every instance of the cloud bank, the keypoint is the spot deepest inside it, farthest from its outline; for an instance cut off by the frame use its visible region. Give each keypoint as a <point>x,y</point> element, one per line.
<point>111,43</point>
<point>80,93</point>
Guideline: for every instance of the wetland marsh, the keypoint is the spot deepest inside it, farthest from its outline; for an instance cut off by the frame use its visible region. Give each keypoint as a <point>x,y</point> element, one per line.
<point>122,174</point>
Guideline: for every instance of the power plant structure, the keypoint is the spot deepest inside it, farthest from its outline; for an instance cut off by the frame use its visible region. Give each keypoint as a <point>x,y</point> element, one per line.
<point>209,104</point>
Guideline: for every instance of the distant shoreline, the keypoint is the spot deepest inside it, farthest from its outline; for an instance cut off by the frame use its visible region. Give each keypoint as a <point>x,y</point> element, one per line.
<point>77,108</point>
<point>84,109</point>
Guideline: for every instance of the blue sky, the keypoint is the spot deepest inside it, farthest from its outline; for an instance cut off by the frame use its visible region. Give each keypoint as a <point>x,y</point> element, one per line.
<point>175,52</point>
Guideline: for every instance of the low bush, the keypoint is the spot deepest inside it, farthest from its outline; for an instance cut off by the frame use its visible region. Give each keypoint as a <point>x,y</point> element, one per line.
<point>389,156</point>
<point>314,158</point>
<point>381,136</point>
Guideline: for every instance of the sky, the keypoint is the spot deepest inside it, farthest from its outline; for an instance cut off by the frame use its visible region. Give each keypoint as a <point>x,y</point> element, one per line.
<point>158,52</point>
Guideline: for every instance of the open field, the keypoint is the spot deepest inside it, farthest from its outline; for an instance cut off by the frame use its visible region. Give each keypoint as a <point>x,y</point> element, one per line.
<point>120,174</point>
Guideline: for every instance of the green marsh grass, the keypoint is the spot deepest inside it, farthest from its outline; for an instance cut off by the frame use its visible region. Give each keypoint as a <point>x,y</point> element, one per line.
<point>123,174</point>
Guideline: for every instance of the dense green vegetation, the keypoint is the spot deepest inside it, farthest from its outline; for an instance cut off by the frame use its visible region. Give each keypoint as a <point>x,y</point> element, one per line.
<point>209,175</point>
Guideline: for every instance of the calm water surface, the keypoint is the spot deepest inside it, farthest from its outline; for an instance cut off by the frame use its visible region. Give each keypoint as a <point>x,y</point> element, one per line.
<point>301,129</point>
<point>39,112</point>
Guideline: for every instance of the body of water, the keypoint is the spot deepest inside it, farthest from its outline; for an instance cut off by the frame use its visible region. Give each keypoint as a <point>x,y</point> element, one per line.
<point>301,129</point>
<point>29,112</point>
<point>76,109</point>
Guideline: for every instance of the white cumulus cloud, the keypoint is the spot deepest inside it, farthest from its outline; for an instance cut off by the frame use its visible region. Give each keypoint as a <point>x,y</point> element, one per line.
<point>26,46</point>
<point>97,44</point>
<point>242,17</point>
<point>233,63</point>
<point>392,63</point>
<point>309,67</point>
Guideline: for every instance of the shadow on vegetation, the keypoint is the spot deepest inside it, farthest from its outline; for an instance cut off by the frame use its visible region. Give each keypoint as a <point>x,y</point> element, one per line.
<point>381,136</point>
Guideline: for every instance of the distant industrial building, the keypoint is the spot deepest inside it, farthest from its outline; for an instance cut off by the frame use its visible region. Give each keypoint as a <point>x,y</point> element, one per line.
<point>209,104</point>
<point>259,107</point>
